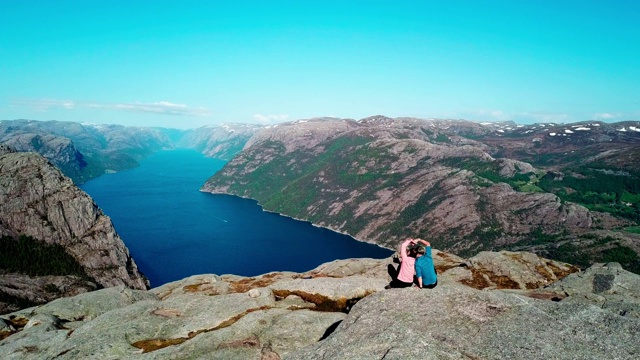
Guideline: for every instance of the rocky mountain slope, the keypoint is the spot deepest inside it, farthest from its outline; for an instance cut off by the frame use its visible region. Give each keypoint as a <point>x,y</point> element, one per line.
<point>564,191</point>
<point>493,306</point>
<point>220,142</point>
<point>41,213</point>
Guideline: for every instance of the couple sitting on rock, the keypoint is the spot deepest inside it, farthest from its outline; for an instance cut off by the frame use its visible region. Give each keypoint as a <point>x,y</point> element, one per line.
<point>416,261</point>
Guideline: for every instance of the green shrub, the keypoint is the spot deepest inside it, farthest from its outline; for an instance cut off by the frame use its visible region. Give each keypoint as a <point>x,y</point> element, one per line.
<point>620,254</point>
<point>571,254</point>
<point>598,190</point>
<point>51,288</point>
<point>633,229</point>
<point>29,256</point>
<point>443,138</point>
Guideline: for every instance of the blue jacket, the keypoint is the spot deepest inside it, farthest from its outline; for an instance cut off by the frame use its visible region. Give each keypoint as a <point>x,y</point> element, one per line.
<point>425,268</point>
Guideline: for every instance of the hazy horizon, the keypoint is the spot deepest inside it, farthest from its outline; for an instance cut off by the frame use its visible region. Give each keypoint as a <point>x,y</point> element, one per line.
<point>256,123</point>
<point>196,63</point>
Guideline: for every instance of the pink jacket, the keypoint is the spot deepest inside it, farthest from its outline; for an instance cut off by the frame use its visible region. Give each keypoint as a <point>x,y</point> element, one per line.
<point>407,268</point>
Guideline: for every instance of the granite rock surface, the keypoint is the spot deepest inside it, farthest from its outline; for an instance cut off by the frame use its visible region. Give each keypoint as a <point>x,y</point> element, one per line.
<point>341,310</point>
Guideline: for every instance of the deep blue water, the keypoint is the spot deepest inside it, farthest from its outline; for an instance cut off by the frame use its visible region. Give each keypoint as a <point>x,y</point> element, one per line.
<point>173,230</point>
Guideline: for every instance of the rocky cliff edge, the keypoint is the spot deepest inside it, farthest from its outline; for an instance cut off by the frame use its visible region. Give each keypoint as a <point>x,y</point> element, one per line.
<point>493,306</point>
<point>37,200</point>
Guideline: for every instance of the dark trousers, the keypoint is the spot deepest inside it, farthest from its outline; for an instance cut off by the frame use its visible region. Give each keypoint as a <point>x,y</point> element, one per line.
<point>430,286</point>
<point>395,283</point>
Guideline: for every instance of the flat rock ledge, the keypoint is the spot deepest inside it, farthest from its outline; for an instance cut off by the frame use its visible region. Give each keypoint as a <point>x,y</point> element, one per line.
<point>484,307</point>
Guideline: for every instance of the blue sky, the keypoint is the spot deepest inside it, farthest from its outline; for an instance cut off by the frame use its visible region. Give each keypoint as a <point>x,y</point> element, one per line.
<point>186,63</point>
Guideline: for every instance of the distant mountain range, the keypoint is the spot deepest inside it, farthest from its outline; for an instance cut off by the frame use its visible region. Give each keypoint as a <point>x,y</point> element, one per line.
<point>85,151</point>
<point>566,191</point>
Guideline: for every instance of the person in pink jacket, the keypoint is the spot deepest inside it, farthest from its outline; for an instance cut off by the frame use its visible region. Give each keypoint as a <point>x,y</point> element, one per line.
<point>407,268</point>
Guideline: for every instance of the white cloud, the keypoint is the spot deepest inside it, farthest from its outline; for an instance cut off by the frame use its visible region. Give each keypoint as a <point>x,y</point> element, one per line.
<point>605,116</point>
<point>267,119</point>
<point>43,105</point>
<point>161,107</point>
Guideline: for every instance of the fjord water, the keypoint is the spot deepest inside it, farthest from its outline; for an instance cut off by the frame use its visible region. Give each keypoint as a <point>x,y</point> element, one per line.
<point>173,230</point>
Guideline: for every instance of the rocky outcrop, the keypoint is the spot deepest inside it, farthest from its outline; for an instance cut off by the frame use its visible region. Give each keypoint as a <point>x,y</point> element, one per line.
<point>36,200</point>
<point>341,310</point>
<point>457,322</point>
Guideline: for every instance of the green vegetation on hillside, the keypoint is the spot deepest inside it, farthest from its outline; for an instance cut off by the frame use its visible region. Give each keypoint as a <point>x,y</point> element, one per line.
<point>442,138</point>
<point>351,165</point>
<point>296,183</point>
<point>265,179</point>
<point>613,191</point>
<point>617,193</point>
<point>633,229</point>
<point>573,254</point>
<point>597,249</point>
<point>491,171</point>
<point>291,183</point>
<point>29,256</point>
<point>550,159</point>
<point>485,235</point>
<point>539,237</point>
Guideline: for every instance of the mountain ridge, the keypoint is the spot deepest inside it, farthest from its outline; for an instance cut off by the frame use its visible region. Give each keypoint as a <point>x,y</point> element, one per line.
<point>378,177</point>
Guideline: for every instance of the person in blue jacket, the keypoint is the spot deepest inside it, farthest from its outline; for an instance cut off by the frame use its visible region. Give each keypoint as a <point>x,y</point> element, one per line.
<point>425,270</point>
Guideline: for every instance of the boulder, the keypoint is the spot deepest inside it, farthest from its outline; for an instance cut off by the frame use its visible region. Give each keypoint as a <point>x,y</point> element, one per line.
<point>514,270</point>
<point>606,285</point>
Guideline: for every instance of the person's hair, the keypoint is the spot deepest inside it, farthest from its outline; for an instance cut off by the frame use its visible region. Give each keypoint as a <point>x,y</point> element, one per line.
<point>420,250</point>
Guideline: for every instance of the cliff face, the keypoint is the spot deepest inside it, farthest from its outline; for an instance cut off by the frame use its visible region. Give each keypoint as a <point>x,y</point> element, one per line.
<point>379,179</point>
<point>36,200</point>
<point>528,308</point>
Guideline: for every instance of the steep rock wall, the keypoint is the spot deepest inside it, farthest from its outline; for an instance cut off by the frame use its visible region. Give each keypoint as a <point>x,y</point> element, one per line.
<point>37,200</point>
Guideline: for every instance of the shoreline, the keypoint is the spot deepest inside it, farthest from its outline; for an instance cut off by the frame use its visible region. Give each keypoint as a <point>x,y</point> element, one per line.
<point>111,171</point>
<point>297,219</point>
